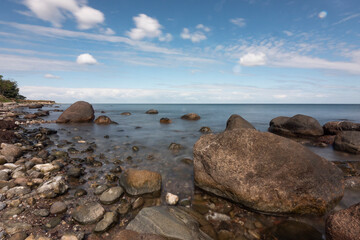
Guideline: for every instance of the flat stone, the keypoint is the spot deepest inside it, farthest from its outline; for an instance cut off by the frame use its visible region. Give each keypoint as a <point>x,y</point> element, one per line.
<point>109,219</point>
<point>137,182</point>
<point>41,212</point>
<point>88,213</point>
<point>53,187</point>
<point>111,195</point>
<point>46,167</point>
<point>58,207</point>
<point>9,212</point>
<point>15,227</point>
<point>17,191</point>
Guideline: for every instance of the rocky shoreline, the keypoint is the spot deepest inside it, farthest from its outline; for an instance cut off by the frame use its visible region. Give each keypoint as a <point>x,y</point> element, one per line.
<point>51,193</point>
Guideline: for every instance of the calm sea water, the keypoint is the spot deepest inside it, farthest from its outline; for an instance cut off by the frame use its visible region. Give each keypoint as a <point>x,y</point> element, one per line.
<point>153,139</point>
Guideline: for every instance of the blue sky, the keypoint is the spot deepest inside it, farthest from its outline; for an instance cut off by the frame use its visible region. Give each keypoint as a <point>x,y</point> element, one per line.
<point>198,51</point>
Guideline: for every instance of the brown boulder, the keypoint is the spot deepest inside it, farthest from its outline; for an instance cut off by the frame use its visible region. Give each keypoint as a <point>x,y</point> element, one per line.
<point>165,121</point>
<point>276,175</point>
<point>35,105</point>
<point>30,116</point>
<point>191,117</point>
<point>333,128</point>
<point>348,141</point>
<point>152,111</point>
<point>77,113</point>
<point>104,120</point>
<point>11,152</point>
<point>296,126</point>
<point>236,122</point>
<point>137,182</point>
<point>344,224</point>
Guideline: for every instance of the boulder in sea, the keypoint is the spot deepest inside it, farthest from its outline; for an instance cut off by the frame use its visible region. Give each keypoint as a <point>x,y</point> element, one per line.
<point>191,117</point>
<point>205,130</point>
<point>335,127</point>
<point>152,111</point>
<point>103,120</point>
<point>137,182</point>
<point>125,113</point>
<point>169,222</point>
<point>276,174</point>
<point>165,121</point>
<point>35,105</point>
<point>236,122</point>
<point>77,113</point>
<point>296,126</point>
<point>344,224</point>
<point>30,116</point>
<point>348,141</point>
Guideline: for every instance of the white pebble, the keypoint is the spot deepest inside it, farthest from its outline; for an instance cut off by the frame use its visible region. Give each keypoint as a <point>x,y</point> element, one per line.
<point>171,199</point>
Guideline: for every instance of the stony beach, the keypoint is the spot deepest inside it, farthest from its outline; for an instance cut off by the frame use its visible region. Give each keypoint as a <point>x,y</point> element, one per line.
<point>247,184</point>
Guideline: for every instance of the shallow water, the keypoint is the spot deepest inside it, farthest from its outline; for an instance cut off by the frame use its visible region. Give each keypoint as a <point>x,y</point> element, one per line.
<point>153,139</point>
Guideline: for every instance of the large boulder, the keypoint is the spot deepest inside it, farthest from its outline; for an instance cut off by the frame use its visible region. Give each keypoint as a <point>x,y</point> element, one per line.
<point>344,224</point>
<point>348,141</point>
<point>335,127</point>
<point>236,122</point>
<point>296,126</point>
<point>137,182</point>
<point>78,112</point>
<point>103,120</point>
<point>266,172</point>
<point>170,222</point>
<point>191,117</point>
<point>10,151</point>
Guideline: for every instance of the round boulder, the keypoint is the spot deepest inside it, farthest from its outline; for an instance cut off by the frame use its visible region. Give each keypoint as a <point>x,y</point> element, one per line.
<point>276,175</point>
<point>335,127</point>
<point>165,121</point>
<point>191,117</point>
<point>236,122</point>
<point>77,113</point>
<point>103,120</point>
<point>296,126</point>
<point>348,141</point>
<point>344,224</point>
<point>111,195</point>
<point>88,213</point>
<point>152,111</point>
<point>137,182</point>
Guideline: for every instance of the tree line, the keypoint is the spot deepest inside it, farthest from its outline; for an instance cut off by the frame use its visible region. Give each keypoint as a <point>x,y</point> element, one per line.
<point>9,89</point>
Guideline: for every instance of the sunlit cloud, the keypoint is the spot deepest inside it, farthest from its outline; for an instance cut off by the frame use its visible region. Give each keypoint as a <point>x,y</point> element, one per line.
<point>86,59</point>
<point>51,76</point>
<point>240,22</point>
<point>253,59</point>
<point>197,36</point>
<point>322,14</point>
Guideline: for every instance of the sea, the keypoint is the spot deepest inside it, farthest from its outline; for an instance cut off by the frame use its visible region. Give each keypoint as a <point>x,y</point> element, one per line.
<point>116,142</point>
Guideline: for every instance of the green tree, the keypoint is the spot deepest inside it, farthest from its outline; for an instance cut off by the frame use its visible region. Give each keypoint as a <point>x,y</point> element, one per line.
<point>9,89</point>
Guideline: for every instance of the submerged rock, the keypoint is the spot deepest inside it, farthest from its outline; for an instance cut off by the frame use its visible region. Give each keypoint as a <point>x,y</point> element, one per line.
<point>236,122</point>
<point>111,195</point>
<point>276,175</point>
<point>344,224</point>
<point>137,182</point>
<point>348,141</point>
<point>296,126</point>
<point>205,130</point>
<point>292,230</point>
<point>78,112</point>
<point>109,219</point>
<point>103,120</point>
<point>191,117</point>
<point>152,111</point>
<point>88,213</point>
<point>165,121</point>
<point>170,222</point>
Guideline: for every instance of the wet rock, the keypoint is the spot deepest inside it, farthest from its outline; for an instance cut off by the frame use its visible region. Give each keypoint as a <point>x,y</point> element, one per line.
<point>110,218</point>
<point>100,189</point>
<point>292,230</point>
<point>53,222</point>
<point>15,227</point>
<point>137,182</point>
<point>276,174</point>
<point>11,152</point>
<point>42,113</point>
<point>296,126</point>
<point>111,195</point>
<point>335,127</point>
<point>175,147</point>
<point>103,120</point>
<point>58,207</point>
<point>125,113</point>
<point>18,236</point>
<point>187,161</point>
<point>47,167</point>
<point>191,117</point>
<point>170,222</point>
<point>171,199</point>
<point>205,130</point>
<point>74,172</point>
<point>344,224</point>
<point>4,175</point>
<point>80,192</point>
<point>53,187</point>
<point>35,105</point>
<point>124,207</point>
<point>165,120</point>
<point>17,191</point>
<point>152,111</point>
<point>135,148</point>
<point>41,212</point>
<point>139,202</point>
<point>10,212</point>
<point>78,112</point>
<point>132,235</point>
<point>30,116</point>
<point>237,122</point>
<point>88,213</point>
<point>348,141</point>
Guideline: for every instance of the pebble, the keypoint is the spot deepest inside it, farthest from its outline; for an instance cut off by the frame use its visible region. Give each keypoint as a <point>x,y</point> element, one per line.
<point>58,207</point>
<point>138,203</point>
<point>171,199</point>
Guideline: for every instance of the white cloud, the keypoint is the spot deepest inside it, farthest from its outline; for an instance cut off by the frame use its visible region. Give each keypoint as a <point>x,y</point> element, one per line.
<point>51,76</point>
<point>253,59</point>
<point>56,12</point>
<point>201,26</point>
<point>280,96</point>
<point>147,27</point>
<point>240,22</point>
<point>194,37</point>
<point>348,18</point>
<point>288,33</point>
<point>108,31</point>
<point>322,14</point>
<point>88,17</point>
<point>86,59</point>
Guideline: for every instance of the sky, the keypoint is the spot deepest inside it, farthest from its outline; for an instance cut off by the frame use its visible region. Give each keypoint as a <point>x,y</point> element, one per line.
<point>188,51</point>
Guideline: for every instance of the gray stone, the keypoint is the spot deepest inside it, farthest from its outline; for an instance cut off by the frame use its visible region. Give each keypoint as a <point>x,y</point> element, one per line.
<point>4,175</point>
<point>53,187</point>
<point>58,207</point>
<point>17,191</point>
<point>9,212</point>
<point>100,189</point>
<point>88,213</point>
<point>41,212</point>
<point>236,122</point>
<point>2,206</point>
<point>109,219</point>
<point>15,227</point>
<point>276,175</point>
<point>348,141</point>
<point>170,222</point>
<point>111,195</point>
